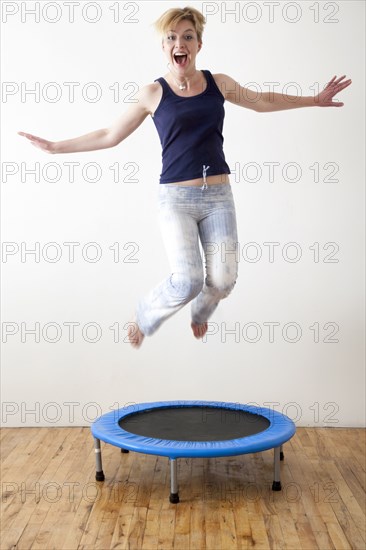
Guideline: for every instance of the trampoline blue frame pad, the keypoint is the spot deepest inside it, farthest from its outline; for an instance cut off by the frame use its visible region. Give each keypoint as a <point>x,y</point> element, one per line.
<point>107,428</point>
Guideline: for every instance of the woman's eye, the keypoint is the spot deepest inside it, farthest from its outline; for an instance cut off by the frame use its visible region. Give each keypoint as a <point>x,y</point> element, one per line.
<point>187,37</point>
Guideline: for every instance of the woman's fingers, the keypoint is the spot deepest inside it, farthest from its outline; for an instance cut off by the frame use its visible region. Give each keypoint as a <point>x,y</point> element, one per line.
<point>333,87</point>
<point>337,82</point>
<point>345,84</point>
<point>341,87</point>
<point>26,135</point>
<point>340,78</point>
<point>39,142</point>
<point>30,136</point>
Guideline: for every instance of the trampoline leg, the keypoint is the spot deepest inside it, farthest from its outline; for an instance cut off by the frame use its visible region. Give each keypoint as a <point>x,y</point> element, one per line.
<point>99,475</point>
<point>174,496</point>
<point>276,485</point>
<point>282,456</point>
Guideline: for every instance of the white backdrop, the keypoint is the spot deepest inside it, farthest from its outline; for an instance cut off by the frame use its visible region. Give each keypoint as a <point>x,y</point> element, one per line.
<point>291,335</point>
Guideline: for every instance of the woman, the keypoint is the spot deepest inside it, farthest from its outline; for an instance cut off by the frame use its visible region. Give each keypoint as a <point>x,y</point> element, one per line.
<point>195,197</point>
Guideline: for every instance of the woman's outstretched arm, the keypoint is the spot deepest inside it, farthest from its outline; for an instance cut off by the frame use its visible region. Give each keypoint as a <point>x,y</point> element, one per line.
<point>104,138</point>
<point>267,102</point>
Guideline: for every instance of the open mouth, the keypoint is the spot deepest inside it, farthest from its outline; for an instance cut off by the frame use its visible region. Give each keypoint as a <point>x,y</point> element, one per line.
<point>180,59</point>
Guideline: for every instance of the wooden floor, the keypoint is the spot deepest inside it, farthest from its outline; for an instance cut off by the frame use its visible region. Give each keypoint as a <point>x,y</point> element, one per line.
<point>50,498</point>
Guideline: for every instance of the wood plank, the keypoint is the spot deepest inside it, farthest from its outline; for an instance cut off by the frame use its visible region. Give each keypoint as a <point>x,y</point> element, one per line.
<point>32,492</point>
<point>355,479</point>
<point>305,508</point>
<point>224,503</point>
<point>53,489</point>
<point>350,516</point>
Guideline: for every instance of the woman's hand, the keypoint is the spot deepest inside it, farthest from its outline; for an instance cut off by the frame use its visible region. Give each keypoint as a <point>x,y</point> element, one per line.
<point>46,146</point>
<point>324,98</point>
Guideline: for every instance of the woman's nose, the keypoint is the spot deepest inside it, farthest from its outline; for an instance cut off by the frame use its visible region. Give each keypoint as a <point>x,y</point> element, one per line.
<point>178,43</point>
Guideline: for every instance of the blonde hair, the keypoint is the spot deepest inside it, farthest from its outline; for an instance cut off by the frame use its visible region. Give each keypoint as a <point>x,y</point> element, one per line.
<point>173,16</point>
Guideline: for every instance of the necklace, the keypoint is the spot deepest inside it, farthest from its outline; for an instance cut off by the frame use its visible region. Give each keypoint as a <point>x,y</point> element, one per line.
<point>182,86</point>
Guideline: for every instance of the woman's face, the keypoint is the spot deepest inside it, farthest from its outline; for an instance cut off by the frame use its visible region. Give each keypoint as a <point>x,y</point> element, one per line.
<point>181,47</point>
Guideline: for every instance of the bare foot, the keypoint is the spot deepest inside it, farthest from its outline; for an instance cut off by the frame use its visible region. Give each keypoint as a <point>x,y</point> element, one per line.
<point>135,335</point>
<point>199,330</point>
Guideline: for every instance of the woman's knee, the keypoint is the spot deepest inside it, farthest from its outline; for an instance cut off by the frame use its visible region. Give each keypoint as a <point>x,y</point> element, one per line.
<point>186,287</point>
<point>224,285</point>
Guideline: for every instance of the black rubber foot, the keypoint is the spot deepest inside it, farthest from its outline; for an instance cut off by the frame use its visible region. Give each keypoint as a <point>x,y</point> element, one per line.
<point>282,456</point>
<point>125,451</point>
<point>99,476</point>
<point>276,486</point>
<point>174,498</point>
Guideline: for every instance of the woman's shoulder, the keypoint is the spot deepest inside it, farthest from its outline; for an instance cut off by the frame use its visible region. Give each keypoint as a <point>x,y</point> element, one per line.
<point>222,81</point>
<point>150,88</point>
<point>221,77</point>
<point>149,95</point>
<point>148,91</point>
<point>225,83</point>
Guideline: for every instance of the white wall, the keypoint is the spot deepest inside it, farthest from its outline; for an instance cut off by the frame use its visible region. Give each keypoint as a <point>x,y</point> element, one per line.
<point>67,382</point>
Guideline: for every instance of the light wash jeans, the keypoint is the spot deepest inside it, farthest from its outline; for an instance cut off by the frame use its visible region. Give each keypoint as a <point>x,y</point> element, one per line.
<point>187,214</point>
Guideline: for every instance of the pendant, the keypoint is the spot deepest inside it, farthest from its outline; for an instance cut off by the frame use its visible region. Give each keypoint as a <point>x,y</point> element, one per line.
<point>182,87</point>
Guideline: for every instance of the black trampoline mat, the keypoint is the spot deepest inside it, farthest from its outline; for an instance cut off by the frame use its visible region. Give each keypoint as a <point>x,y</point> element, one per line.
<point>194,423</point>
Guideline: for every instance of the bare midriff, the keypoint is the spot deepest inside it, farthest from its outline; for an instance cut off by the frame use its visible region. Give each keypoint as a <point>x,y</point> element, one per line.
<point>210,180</point>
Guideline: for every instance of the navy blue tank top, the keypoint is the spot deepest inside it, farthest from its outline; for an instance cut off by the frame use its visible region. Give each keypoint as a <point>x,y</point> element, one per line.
<point>190,131</point>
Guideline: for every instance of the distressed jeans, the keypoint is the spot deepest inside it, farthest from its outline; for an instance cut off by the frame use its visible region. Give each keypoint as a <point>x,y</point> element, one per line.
<point>187,215</point>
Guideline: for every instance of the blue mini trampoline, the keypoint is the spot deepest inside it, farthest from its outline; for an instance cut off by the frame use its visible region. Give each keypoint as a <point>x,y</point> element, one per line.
<point>193,429</point>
